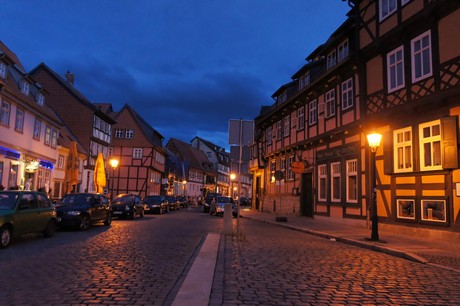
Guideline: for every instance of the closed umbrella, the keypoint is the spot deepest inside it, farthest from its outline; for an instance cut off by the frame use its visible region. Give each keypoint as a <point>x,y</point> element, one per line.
<point>100,179</point>
<point>71,170</point>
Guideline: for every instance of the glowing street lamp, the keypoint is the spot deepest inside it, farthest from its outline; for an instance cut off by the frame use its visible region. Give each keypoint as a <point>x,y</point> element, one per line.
<point>232,178</point>
<point>184,183</point>
<point>374,143</point>
<point>114,164</point>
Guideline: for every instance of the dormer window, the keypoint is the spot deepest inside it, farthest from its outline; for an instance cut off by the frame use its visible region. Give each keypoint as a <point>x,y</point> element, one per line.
<point>343,51</point>
<point>40,98</point>
<point>24,86</point>
<point>331,59</point>
<point>2,70</point>
<point>304,80</point>
<point>282,98</point>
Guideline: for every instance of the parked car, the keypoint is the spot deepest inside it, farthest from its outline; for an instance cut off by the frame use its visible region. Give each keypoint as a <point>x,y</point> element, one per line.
<point>217,206</point>
<point>183,202</point>
<point>173,203</point>
<point>80,210</point>
<point>127,206</point>
<point>155,204</point>
<point>207,201</point>
<point>25,212</point>
<point>245,201</point>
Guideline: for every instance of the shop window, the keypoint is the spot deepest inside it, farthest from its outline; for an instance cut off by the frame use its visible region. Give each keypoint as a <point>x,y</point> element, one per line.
<point>405,208</point>
<point>322,179</point>
<point>434,210</point>
<point>403,150</point>
<point>335,182</point>
<point>352,181</point>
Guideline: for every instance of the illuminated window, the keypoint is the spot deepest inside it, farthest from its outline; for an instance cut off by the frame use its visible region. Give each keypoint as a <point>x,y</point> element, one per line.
<point>405,208</point>
<point>421,57</point>
<point>402,139</point>
<point>434,210</point>
<point>430,145</point>
<point>395,69</point>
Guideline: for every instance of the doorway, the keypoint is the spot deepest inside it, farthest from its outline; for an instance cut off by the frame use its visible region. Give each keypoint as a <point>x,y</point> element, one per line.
<point>306,194</point>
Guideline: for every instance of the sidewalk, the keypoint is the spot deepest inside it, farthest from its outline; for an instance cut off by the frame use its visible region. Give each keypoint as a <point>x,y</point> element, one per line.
<point>438,248</point>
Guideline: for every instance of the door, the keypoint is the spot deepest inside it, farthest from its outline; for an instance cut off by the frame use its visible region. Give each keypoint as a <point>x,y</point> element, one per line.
<point>306,195</point>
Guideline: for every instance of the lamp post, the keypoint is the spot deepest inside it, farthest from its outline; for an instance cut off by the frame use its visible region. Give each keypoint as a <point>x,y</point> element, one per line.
<point>230,190</point>
<point>184,182</point>
<point>374,142</point>
<point>114,164</point>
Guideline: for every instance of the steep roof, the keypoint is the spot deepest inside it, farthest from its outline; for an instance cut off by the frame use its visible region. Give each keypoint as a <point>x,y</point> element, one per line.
<point>193,157</point>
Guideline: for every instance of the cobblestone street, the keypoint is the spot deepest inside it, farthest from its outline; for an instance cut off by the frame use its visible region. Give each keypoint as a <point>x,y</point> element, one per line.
<point>271,265</point>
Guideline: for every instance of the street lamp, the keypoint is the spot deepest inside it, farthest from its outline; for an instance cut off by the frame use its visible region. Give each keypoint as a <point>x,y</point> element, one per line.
<point>114,164</point>
<point>232,178</point>
<point>184,182</point>
<point>374,142</point>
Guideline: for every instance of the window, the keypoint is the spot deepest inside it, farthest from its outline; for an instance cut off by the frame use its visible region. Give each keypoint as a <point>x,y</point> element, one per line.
<point>430,145</point>
<point>335,182</point>
<point>279,130</point>
<point>290,174</point>
<point>2,70</point>
<point>37,129</point>
<point>24,86</point>
<point>404,2</point>
<point>129,134</point>
<point>60,162</point>
<point>402,150</point>
<point>269,135</point>
<point>395,69</point>
<point>434,210</point>
<point>47,135</point>
<point>347,94</point>
<point>352,181</point>
<point>330,103</point>
<point>5,113</point>
<point>119,133</point>
<point>405,209</point>
<point>300,118</point>
<point>40,98</point>
<point>137,153</point>
<point>421,57</point>
<point>287,125</point>
<point>272,171</point>
<point>312,112</point>
<point>19,124</point>
<point>331,60</point>
<point>322,179</point>
<point>343,51</point>
<point>54,138</point>
<point>304,80</point>
<point>386,8</point>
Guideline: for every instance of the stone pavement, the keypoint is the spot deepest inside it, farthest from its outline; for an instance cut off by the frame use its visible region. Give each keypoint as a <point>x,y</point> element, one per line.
<point>432,247</point>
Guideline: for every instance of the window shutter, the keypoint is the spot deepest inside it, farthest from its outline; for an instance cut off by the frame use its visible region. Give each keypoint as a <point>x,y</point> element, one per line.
<point>387,140</point>
<point>449,142</point>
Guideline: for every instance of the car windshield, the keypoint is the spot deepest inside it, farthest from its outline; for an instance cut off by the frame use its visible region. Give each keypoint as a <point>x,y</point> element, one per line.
<point>8,200</point>
<point>77,199</point>
<point>121,200</point>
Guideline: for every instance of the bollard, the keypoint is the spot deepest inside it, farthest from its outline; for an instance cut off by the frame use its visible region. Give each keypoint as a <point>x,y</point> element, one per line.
<point>228,224</point>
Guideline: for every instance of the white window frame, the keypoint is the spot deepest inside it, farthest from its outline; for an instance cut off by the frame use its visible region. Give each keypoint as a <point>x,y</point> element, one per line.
<point>331,59</point>
<point>395,69</point>
<point>330,103</point>
<point>347,94</point>
<point>137,153</point>
<point>430,146</point>
<point>403,150</point>
<point>386,8</point>
<point>402,204</point>
<point>119,133</point>
<point>301,118</point>
<point>421,57</point>
<point>290,175</point>
<point>342,51</point>
<point>335,182</point>
<point>322,182</point>
<point>434,214</point>
<point>313,112</point>
<point>19,122</point>
<point>129,134</point>
<point>5,113</point>
<point>287,125</point>
<point>47,135</point>
<point>54,138</point>
<point>352,176</point>
<point>37,129</point>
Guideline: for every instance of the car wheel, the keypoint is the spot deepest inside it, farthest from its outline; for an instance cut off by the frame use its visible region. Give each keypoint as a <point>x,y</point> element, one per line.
<point>5,236</point>
<point>50,229</point>
<point>84,223</point>
<point>108,221</point>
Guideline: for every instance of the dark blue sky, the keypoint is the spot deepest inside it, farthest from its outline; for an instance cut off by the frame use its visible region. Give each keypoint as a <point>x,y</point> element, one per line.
<point>188,66</point>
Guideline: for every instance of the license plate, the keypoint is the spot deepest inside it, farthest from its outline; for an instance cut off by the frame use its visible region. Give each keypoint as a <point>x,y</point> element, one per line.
<point>117,212</point>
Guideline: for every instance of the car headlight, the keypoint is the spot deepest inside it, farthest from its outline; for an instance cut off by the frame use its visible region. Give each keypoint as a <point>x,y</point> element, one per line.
<point>73,213</point>
<point>127,207</point>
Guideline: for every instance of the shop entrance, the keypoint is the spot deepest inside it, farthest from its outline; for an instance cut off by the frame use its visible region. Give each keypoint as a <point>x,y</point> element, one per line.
<point>306,194</point>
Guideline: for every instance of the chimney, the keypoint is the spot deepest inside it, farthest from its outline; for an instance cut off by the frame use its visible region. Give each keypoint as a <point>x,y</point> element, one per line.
<point>70,77</point>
